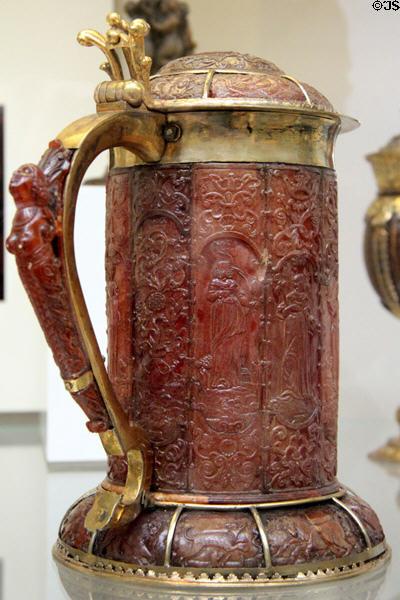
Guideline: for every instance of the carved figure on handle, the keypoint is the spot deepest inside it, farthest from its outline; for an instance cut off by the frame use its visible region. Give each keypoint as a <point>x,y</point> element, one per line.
<point>36,243</point>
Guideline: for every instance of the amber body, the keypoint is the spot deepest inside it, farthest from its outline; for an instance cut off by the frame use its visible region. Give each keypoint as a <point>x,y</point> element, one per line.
<point>222,313</point>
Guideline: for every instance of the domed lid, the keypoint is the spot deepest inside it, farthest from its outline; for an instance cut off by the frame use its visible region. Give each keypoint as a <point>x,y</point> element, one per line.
<point>207,81</point>
<point>218,80</point>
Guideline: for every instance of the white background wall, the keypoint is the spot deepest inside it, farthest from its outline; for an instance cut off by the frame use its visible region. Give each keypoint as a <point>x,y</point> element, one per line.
<point>345,49</point>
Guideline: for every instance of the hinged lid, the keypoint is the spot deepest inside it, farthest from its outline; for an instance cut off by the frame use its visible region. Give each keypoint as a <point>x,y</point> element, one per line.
<point>223,80</point>
<point>207,81</point>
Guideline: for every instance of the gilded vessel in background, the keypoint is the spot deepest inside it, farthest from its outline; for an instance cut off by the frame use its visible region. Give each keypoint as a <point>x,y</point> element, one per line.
<point>382,249</point>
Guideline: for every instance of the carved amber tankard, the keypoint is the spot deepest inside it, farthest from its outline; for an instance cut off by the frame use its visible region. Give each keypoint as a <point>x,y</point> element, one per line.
<point>218,411</point>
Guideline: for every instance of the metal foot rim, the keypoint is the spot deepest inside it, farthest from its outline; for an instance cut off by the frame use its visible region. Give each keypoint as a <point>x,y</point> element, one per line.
<point>305,573</point>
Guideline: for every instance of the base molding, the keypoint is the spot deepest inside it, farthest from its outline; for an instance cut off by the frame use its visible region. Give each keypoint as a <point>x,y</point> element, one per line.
<point>356,564</point>
<point>185,545</point>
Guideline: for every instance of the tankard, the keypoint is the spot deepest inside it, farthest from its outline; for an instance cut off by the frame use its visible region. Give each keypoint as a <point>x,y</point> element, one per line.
<point>218,408</point>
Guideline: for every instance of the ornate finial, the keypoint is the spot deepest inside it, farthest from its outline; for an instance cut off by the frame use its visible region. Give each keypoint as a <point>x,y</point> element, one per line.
<point>130,38</point>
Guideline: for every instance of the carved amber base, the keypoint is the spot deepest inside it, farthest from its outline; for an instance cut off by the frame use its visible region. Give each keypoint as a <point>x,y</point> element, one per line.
<point>283,543</point>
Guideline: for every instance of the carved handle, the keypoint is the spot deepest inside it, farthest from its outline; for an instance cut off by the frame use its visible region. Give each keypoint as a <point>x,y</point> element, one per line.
<point>382,250</point>
<point>43,241</point>
<point>36,241</point>
<point>141,133</point>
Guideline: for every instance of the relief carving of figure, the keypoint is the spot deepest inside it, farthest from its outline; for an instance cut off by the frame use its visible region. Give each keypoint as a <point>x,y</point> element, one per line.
<point>294,391</point>
<point>34,225</point>
<point>35,241</point>
<point>296,309</point>
<point>228,292</point>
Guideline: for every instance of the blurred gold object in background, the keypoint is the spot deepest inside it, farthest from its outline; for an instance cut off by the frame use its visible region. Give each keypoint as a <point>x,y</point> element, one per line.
<point>382,249</point>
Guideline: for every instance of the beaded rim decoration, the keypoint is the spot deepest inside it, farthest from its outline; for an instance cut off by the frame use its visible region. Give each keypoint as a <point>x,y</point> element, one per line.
<point>186,576</point>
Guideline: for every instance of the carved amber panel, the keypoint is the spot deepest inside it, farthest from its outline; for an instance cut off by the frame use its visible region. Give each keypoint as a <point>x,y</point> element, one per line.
<point>161,217</point>
<point>235,540</point>
<point>222,304</point>
<point>228,295</point>
<point>293,431</point>
<point>119,285</point>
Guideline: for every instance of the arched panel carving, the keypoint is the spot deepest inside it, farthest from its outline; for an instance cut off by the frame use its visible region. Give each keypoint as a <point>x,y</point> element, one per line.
<point>228,301</point>
<point>234,358</point>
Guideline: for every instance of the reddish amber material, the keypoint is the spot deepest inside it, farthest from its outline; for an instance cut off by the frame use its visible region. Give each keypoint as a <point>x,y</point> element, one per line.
<point>36,241</point>
<point>236,76</point>
<point>222,310</point>
<point>222,539</point>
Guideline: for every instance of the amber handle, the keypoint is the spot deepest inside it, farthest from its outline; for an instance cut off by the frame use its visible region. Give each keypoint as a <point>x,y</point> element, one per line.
<point>382,250</point>
<point>43,240</point>
<point>141,133</point>
<point>36,242</point>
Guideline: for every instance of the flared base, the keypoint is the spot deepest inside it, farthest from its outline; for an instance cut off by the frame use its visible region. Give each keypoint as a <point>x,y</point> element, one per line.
<point>245,545</point>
